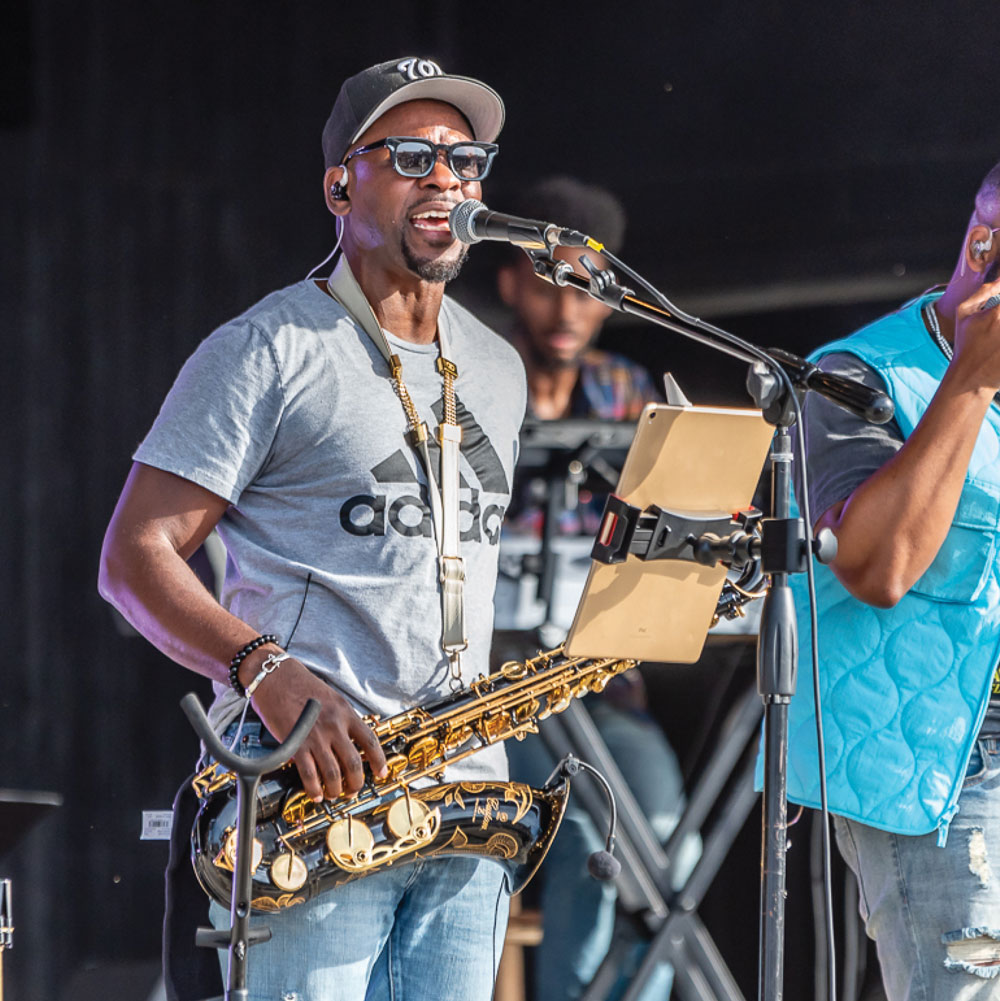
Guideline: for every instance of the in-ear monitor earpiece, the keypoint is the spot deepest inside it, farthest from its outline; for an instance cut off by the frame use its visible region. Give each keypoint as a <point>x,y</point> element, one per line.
<point>338,190</point>
<point>980,248</point>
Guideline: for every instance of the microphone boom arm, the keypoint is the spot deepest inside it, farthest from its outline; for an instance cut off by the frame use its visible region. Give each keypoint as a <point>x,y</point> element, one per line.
<point>870,404</point>
<point>624,301</point>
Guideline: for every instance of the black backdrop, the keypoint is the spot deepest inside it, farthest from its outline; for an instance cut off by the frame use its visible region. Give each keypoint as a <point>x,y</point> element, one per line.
<point>790,169</point>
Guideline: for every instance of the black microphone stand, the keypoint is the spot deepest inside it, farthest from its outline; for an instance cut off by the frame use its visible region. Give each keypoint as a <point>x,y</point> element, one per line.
<point>784,548</point>
<point>240,936</point>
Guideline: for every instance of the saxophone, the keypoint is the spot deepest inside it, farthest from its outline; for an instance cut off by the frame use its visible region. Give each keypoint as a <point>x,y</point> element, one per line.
<point>302,848</point>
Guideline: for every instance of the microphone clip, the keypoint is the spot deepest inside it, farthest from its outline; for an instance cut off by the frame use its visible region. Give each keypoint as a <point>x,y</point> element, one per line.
<point>603,285</point>
<point>547,267</point>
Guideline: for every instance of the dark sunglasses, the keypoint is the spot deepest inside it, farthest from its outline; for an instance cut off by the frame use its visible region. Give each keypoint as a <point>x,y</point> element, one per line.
<point>413,157</point>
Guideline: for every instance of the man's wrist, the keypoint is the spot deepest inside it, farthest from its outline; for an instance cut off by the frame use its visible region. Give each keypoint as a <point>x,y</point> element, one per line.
<point>268,666</point>
<point>245,664</point>
<point>252,664</point>
<point>967,376</point>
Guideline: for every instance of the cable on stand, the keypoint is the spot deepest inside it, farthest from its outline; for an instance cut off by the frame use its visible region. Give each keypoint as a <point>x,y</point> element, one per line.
<point>240,936</point>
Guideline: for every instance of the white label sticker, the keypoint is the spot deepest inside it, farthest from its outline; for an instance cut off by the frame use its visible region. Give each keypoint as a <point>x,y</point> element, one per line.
<point>156,825</point>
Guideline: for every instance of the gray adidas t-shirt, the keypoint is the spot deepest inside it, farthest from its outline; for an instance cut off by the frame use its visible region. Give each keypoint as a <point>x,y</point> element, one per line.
<point>288,413</point>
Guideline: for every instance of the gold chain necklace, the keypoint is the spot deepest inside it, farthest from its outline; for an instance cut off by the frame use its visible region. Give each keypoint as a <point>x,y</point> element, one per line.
<point>416,428</point>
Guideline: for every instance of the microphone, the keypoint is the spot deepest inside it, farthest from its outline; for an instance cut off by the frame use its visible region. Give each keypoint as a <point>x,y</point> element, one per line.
<point>871,404</point>
<point>470,221</point>
<point>602,864</point>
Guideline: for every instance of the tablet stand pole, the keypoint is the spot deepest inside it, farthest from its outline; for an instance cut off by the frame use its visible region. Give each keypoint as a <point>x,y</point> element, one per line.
<point>777,659</point>
<point>785,549</point>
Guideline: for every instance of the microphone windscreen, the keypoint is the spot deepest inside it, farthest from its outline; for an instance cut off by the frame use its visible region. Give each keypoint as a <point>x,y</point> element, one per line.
<point>603,865</point>
<point>460,220</point>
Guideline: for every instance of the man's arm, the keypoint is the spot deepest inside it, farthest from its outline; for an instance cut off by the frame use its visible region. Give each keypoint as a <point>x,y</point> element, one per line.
<point>890,528</point>
<point>160,520</point>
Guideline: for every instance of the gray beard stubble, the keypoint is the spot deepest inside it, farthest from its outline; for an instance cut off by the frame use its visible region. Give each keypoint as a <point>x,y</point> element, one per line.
<point>433,271</point>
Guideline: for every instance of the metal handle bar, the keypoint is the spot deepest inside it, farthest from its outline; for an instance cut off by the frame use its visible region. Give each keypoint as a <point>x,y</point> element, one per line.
<point>249,767</point>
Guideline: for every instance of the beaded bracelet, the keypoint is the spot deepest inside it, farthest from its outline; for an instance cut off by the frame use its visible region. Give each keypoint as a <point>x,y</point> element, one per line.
<point>234,664</point>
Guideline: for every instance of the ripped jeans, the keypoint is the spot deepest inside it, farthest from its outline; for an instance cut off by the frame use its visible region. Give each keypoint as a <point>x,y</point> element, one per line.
<point>934,913</point>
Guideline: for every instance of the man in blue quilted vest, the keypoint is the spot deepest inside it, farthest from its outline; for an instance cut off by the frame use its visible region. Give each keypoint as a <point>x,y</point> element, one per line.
<point>909,628</point>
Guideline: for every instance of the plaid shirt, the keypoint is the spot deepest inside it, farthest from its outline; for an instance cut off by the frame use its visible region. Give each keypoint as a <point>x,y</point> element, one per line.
<point>611,387</point>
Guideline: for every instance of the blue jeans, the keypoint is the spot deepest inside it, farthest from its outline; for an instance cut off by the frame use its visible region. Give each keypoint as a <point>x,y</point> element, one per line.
<point>578,912</point>
<point>934,913</point>
<point>433,929</point>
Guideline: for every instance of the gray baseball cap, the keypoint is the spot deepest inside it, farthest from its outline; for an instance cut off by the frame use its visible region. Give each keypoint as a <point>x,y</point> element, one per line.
<point>372,92</point>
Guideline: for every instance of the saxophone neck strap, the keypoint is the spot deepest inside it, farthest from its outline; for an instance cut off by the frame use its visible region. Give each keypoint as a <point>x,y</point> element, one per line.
<point>444,500</point>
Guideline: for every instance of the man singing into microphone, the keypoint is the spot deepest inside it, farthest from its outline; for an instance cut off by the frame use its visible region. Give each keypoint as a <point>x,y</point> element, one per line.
<point>331,433</point>
<point>909,629</point>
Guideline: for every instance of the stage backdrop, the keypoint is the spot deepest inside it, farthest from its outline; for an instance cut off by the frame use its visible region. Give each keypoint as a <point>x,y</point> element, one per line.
<point>789,170</point>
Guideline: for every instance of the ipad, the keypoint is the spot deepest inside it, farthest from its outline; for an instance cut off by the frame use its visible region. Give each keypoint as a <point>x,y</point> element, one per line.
<point>695,460</point>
